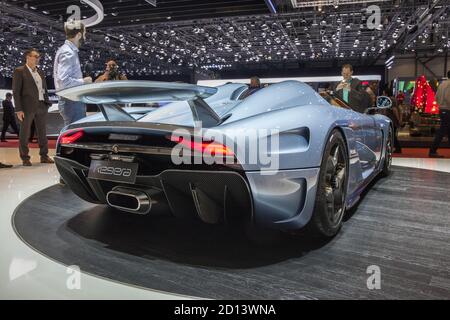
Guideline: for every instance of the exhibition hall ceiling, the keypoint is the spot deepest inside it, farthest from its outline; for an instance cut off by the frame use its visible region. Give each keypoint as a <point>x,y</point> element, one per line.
<point>166,37</point>
<point>126,12</point>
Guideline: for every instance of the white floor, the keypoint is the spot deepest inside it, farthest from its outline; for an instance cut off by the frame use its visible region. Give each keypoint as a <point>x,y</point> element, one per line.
<point>25,274</point>
<point>429,164</point>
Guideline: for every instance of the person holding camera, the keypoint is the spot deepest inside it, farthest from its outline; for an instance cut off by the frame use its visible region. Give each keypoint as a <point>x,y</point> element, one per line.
<point>351,91</point>
<point>111,73</point>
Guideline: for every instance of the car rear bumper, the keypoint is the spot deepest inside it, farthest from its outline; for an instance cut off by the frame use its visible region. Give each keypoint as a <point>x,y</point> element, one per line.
<point>214,196</point>
<point>284,199</point>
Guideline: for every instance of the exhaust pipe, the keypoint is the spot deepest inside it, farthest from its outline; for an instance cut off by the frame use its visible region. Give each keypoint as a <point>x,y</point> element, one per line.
<point>129,200</point>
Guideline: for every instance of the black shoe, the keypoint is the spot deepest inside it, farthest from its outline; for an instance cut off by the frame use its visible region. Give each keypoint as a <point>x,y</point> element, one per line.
<point>435,155</point>
<point>27,163</point>
<point>5,166</point>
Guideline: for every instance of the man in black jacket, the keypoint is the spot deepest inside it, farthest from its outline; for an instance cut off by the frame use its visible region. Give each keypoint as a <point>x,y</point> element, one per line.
<point>351,91</point>
<point>32,103</point>
<point>9,117</point>
<point>255,85</point>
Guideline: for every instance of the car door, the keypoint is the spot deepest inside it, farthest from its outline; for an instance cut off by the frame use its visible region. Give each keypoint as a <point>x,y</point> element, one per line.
<point>375,138</point>
<point>363,127</point>
<point>372,151</point>
<point>367,139</point>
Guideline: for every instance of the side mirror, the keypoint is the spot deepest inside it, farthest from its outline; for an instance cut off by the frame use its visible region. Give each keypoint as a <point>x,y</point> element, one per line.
<point>384,102</point>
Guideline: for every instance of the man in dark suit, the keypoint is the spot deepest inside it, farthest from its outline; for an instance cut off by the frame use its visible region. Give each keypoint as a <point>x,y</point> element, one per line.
<point>9,117</point>
<point>255,86</point>
<point>351,91</point>
<point>32,103</point>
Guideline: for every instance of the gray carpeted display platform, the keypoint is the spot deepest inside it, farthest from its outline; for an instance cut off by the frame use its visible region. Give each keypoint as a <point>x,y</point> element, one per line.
<point>402,225</point>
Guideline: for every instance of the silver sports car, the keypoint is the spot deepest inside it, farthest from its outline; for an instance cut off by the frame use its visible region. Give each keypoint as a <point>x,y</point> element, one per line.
<point>282,157</point>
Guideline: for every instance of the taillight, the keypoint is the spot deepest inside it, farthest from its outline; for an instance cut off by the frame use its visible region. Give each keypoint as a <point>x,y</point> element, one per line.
<point>210,147</point>
<point>71,136</point>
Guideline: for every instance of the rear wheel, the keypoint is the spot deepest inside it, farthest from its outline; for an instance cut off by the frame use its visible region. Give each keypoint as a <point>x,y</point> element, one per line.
<point>331,189</point>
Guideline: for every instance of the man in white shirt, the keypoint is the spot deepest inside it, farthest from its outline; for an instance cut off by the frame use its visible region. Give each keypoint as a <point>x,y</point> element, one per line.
<point>443,101</point>
<point>31,100</point>
<point>67,71</point>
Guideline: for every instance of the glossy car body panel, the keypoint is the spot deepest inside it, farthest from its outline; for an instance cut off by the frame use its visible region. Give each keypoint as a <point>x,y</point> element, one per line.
<point>285,198</point>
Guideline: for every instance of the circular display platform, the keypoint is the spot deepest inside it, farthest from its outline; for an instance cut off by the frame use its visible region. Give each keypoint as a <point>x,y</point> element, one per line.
<point>401,225</point>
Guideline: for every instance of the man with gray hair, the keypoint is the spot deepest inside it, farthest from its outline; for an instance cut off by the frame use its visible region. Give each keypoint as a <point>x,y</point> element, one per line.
<point>255,85</point>
<point>31,98</point>
<point>67,71</point>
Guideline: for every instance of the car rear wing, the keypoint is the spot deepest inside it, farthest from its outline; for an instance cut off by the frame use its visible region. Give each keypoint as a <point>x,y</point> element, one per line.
<point>110,95</point>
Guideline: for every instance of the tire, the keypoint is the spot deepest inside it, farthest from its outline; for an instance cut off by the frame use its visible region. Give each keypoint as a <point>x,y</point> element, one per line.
<point>329,208</point>
<point>386,171</point>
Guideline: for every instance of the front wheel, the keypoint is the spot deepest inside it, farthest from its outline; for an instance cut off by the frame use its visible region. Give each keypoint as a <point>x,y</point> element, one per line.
<point>329,209</point>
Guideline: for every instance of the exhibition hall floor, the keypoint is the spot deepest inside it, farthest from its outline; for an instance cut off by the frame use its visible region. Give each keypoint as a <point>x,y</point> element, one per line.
<point>27,274</point>
<point>24,273</point>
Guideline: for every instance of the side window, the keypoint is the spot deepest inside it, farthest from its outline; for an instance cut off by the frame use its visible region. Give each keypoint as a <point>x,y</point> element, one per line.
<point>239,93</point>
<point>334,101</point>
